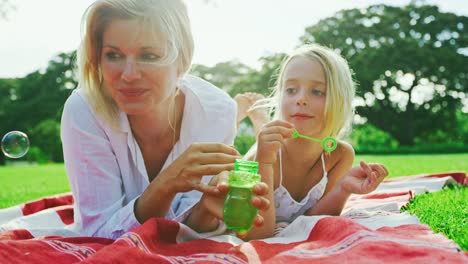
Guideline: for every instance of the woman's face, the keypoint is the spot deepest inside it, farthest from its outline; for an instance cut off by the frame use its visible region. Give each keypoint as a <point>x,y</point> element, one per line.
<point>128,63</point>
<point>303,94</point>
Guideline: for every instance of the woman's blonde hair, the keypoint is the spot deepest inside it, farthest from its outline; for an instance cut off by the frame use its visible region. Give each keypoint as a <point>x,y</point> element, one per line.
<point>340,88</point>
<point>167,20</point>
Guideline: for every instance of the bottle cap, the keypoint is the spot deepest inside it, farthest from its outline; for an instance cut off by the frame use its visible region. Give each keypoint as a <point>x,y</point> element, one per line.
<point>246,165</point>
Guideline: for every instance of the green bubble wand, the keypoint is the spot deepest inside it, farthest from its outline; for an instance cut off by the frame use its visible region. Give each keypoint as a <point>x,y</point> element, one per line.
<point>329,144</point>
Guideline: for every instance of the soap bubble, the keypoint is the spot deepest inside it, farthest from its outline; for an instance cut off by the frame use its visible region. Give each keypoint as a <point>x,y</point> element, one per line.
<point>15,144</point>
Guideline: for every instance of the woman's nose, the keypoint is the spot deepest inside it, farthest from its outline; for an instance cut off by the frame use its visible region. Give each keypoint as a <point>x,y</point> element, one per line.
<point>130,71</point>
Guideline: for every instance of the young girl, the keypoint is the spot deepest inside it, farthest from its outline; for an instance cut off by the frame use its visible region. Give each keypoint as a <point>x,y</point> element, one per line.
<point>313,95</point>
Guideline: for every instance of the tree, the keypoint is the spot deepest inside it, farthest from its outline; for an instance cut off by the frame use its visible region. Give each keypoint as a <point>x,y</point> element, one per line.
<point>224,74</point>
<point>410,63</point>
<point>260,81</point>
<point>33,104</point>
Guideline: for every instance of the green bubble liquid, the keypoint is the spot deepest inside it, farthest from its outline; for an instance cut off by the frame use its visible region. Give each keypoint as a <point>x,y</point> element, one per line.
<point>239,212</point>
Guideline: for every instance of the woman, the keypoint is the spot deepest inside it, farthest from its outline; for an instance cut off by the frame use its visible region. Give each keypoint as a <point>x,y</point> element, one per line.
<point>130,131</point>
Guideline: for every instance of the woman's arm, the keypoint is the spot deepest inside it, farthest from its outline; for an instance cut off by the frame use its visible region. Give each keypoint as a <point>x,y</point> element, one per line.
<point>101,206</point>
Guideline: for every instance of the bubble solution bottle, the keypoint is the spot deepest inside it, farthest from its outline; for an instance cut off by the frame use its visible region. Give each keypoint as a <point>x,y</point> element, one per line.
<point>239,212</point>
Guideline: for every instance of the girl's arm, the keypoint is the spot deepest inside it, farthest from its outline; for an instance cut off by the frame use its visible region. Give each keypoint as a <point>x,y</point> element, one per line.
<point>334,199</point>
<point>361,179</point>
<point>270,140</point>
<point>268,216</point>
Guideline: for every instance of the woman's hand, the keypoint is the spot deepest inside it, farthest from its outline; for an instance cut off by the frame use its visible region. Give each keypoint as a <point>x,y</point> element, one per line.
<point>183,175</point>
<point>211,205</point>
<point>200,159</point>
<point>363,179</point>
<point>270,139</point>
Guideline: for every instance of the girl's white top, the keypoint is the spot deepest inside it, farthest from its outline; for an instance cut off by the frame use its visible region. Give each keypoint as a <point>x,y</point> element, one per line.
<point>288,209</point>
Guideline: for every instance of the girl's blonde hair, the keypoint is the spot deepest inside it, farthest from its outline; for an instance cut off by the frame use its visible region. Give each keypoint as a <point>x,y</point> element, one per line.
<point>166,20</point>
<point>340,88</point>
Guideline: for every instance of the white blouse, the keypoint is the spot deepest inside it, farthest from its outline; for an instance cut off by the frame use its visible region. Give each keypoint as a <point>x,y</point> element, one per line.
<point>105,166</point>
<point>287,208</point>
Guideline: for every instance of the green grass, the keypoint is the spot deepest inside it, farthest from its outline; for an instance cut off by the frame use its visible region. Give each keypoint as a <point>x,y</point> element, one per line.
<point>24,183</point>
<point>404,165</point>
<point>445,211</point>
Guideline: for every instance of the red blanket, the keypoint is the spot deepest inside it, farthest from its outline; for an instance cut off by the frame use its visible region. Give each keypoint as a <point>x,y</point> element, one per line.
<point>371,230</point>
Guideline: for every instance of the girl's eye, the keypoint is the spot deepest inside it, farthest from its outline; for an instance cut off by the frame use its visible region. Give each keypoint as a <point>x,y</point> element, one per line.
<point>290,90</point>
<point>112,56</point>
<point>317,92</point>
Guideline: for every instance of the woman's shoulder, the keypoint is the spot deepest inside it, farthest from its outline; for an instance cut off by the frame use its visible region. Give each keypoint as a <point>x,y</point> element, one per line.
<point>77,102</point>
<point>215,102</point>
<point>77,110</point>
<point>207,92</point>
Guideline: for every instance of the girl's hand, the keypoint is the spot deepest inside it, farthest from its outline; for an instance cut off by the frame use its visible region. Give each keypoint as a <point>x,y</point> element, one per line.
<point>270,139</point>
<point>211,204</point>
<point>200,159</point>
<point>363,179</point>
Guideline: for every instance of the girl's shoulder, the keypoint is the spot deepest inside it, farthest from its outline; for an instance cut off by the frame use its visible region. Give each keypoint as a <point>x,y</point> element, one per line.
<point>345,149</point>
<point>343,155</point>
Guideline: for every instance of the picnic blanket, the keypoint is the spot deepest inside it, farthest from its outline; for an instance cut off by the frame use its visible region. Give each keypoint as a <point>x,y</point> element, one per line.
<point>371,229</point>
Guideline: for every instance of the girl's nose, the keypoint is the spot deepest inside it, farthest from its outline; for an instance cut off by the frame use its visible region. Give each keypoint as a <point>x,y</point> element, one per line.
<point>301,100</point>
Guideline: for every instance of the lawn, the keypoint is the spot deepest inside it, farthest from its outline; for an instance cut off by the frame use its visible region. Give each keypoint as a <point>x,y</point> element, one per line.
<point>23,183</point>
<point>445,211</point>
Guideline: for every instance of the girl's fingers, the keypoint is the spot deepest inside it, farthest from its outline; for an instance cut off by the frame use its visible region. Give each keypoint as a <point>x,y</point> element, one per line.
<point>372,178</point>
<point>380,170</point>
<point>258,221</point>
<point>279,123</point>
<point>366,168</point>
<point>284,131</point>
<point>261,189</point>
<point>271,138</point>
<point>261,203</point>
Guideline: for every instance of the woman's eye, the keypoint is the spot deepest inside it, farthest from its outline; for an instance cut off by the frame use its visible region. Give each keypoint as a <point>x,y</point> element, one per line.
<point>149,57</point>
<point>111,55</point>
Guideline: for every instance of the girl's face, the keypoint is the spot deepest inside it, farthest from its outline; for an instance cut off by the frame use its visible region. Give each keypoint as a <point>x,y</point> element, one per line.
<point>129,67</point>
<point>303,94</point>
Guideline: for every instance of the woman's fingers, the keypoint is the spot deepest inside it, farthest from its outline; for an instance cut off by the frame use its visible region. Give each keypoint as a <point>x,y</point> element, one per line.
<point>214,148</point>
<point>205,188</point>
<point>196,172</point>
<point>213,158</point>
<point>223,182</point>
